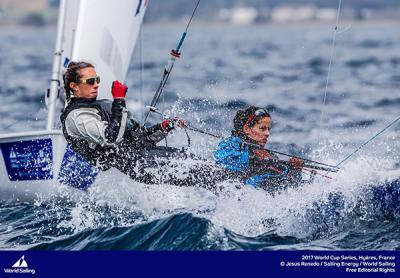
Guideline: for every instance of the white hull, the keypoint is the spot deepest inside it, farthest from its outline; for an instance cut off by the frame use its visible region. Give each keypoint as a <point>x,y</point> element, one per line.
<point>40,164</point>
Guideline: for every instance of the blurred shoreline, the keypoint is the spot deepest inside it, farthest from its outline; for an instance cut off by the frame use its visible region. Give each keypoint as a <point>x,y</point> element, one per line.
<point>216,24</point>
<point>240,15</point>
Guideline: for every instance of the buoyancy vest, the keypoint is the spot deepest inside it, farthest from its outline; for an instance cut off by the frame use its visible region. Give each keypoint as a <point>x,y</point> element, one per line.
<point>94,153</point>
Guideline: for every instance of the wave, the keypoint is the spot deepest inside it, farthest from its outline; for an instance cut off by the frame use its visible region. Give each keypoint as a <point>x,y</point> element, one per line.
<point>326,223</point>
<point>303,218</point>
<point>176,232</point>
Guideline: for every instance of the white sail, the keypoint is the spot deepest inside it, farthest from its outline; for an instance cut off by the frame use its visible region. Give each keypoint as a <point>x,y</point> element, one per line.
<point>104,33</point>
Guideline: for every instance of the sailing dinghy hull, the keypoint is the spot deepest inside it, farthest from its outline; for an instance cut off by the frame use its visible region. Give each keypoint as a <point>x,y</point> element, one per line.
<point>40,164</point>
<point>29,164</point>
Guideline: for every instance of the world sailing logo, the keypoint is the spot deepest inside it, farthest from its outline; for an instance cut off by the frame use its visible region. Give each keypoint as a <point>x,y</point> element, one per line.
<point>20,267</point>
<point>21,262</point>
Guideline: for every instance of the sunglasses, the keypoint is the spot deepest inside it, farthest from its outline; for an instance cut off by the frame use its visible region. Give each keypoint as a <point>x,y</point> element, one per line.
<point>256,114</point>
<point>91,80</point>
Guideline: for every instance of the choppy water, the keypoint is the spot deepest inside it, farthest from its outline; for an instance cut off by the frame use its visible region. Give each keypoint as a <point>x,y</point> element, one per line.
<point>224,68</point>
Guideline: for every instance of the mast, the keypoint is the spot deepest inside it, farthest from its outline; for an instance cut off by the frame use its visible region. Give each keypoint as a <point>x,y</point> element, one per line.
<point>55,75</point>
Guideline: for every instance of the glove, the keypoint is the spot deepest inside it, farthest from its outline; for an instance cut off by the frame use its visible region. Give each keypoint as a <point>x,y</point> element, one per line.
<point>296,162</point>
<point>118,90</point>
<point>169,124</point>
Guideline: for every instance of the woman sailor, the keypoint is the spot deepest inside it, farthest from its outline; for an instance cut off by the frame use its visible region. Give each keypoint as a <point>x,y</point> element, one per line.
<point>100,130</point>
<point>243,153</point>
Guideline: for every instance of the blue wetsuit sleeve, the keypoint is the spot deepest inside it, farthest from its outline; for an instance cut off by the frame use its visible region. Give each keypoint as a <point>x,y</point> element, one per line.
<point>231,155</point>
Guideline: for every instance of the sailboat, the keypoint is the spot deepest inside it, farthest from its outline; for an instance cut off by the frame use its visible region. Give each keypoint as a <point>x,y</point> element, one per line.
<point>98,31</point>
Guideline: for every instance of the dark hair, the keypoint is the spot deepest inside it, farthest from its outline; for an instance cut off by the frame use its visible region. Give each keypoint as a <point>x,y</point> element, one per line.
<point>248,117</point>
<point>72,74</point>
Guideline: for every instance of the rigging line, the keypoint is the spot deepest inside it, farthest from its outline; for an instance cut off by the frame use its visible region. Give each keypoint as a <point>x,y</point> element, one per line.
<point>316,173</point>
<point>309,166</point>
<point>333,168</point>
<point>333,46</point>
<point>332,54</point>
<point>192,128</point>
<point>191,17</point>
<point>175,54</point>
<point>368,141</point>
<point>141,73</point>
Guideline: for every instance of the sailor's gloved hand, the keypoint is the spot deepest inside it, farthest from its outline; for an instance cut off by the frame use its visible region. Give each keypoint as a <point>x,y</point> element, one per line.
<point>118,90</point>
<point>296,162</point>
<point>169,124</point>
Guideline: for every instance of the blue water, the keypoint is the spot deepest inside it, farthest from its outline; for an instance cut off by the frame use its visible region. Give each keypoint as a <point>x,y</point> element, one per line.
<point>224,68</point>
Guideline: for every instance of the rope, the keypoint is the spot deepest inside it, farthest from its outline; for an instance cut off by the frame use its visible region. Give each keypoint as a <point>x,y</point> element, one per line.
<point>141,74</point>
<point>315,172</point>
<point>331,168</point>
<point>333,47</point>
<point>191,17</point>
<point>175,54</point>
<point>368,141</point>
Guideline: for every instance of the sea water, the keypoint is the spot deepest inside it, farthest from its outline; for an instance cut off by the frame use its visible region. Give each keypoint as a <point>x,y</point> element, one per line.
<point>283,68</point>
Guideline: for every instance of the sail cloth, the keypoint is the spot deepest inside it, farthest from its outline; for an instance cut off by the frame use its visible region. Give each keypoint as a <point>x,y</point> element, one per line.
<point>104,33</point>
